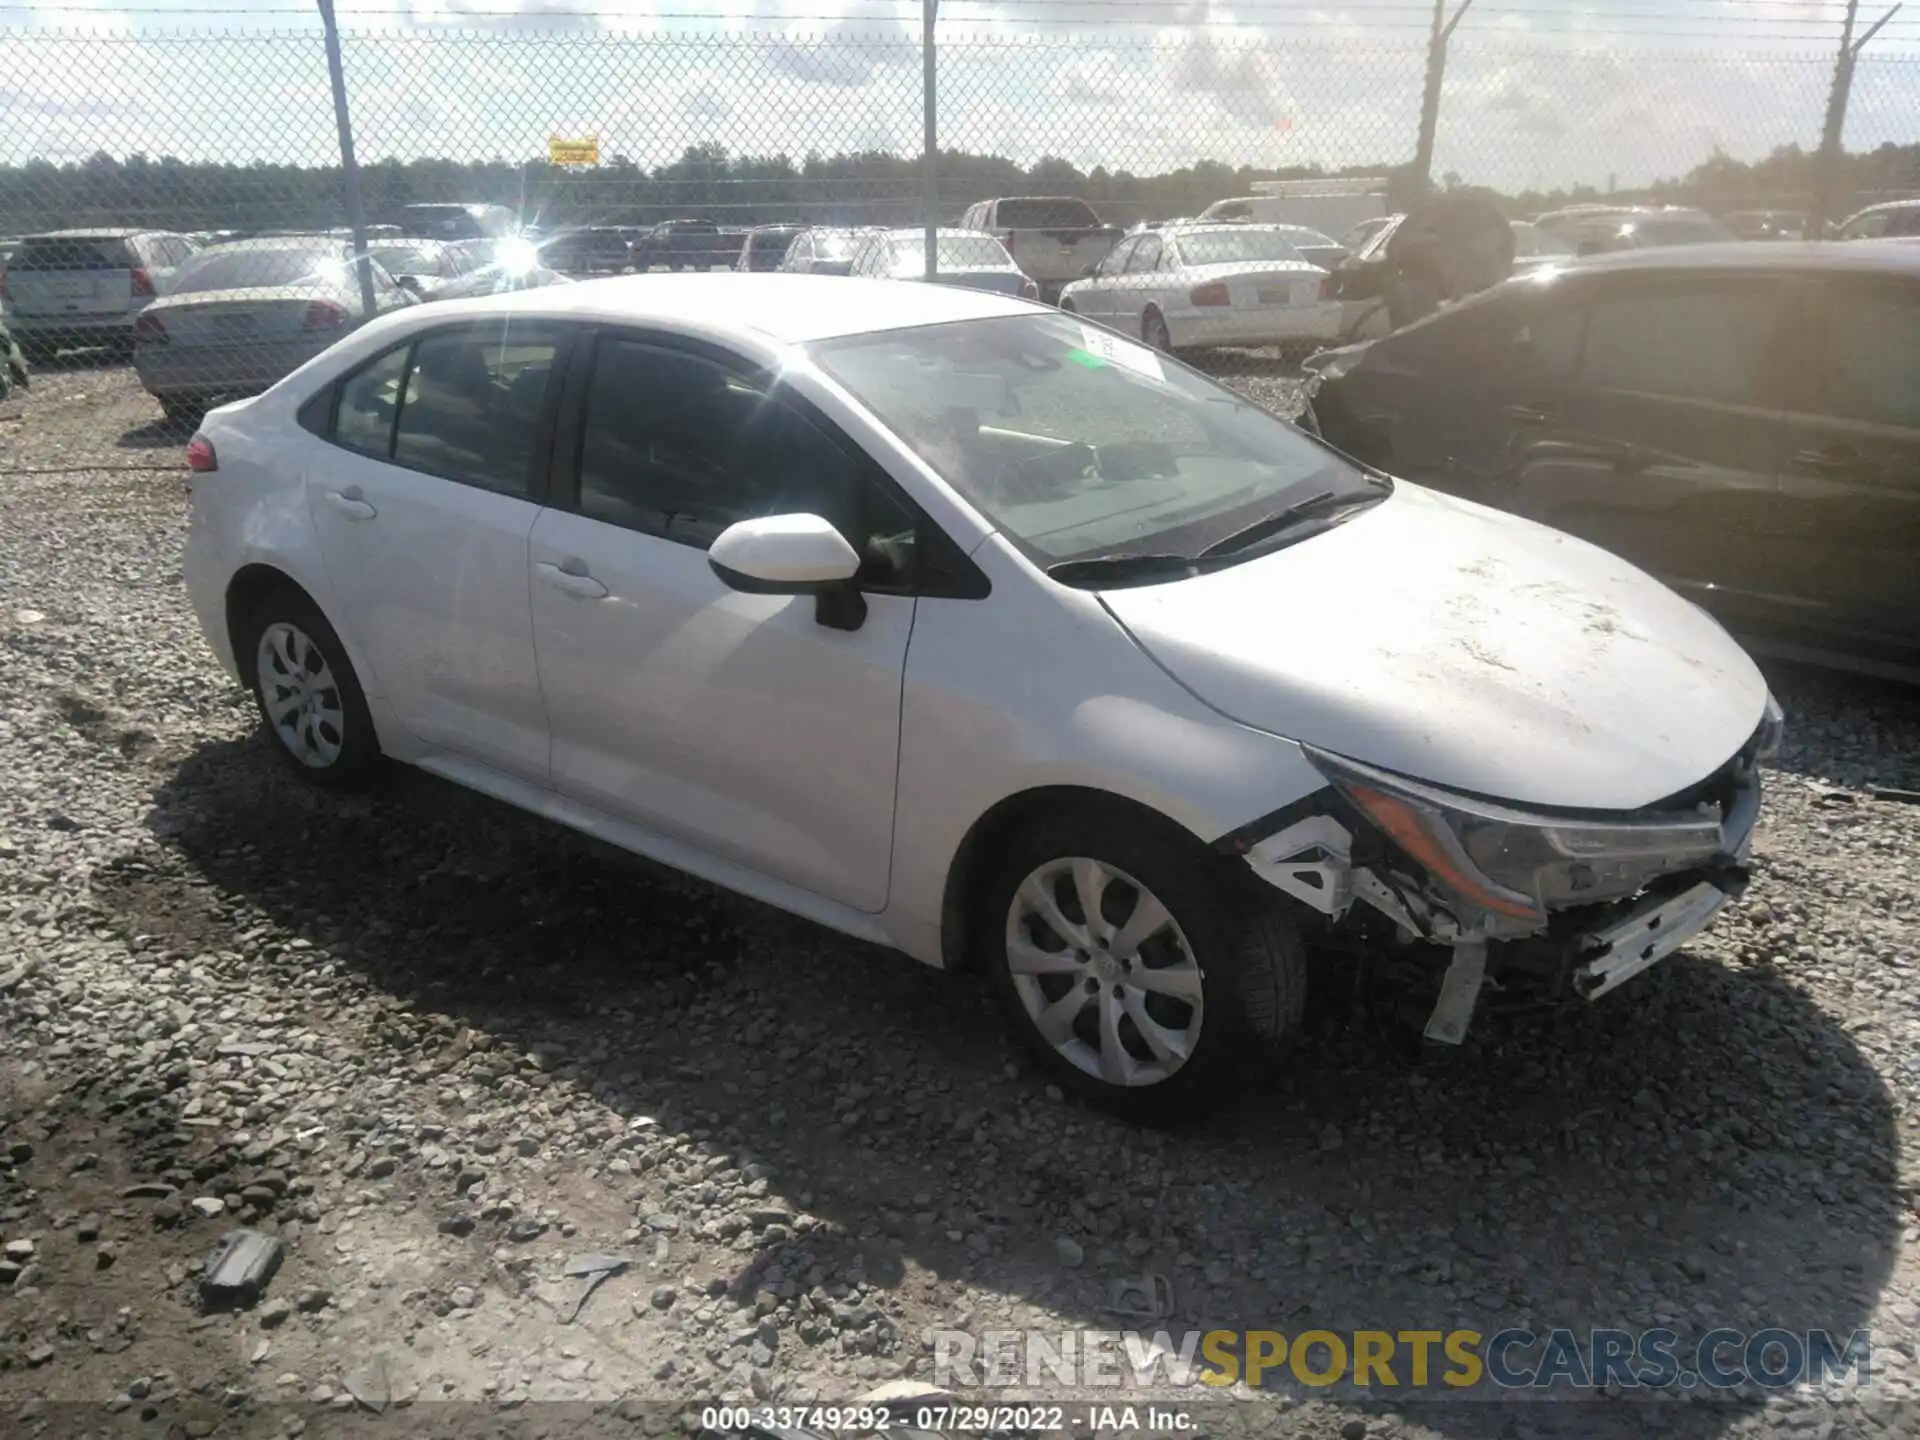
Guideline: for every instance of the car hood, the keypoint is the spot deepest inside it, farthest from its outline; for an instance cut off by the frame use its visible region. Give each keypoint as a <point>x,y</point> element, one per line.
<point>1465,647</point>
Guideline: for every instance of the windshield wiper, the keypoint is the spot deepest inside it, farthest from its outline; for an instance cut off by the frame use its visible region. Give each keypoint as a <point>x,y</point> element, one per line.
<point>1323,503</point>
<point>1120,569</point>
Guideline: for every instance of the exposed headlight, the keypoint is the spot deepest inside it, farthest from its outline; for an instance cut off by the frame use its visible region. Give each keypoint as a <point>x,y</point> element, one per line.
<point>1773,730</point>
<point>1513,863</point>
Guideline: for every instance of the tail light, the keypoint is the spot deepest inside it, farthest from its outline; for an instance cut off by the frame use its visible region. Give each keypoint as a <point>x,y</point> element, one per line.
<point>1029,290</point>
<point>325,315</point>
<point>149,330</point>
<point>1212,293</point>
<point>200,455</point>
<point>143,285</point>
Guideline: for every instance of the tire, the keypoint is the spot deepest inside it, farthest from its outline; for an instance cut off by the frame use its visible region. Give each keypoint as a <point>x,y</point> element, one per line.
<point>1066,308</point>
<point>183,411</point>
<point>1227,942</point>
<point>35,352</point>
<point>330,740</point>
<point>1154,332</point>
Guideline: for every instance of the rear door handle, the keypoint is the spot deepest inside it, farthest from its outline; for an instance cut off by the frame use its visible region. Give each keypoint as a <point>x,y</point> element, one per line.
<point>350,503</point>
<point>570,577</point>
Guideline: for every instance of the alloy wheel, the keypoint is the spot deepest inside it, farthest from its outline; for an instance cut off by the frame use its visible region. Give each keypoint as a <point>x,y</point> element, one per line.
<point>300,695</point>
<point>1104,972</point>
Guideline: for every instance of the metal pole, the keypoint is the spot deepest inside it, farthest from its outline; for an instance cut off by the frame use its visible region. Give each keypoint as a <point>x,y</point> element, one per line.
<point>1836,122</point>
<point>1443,29</point>
<point>349,170</point>
<point>929,145</point>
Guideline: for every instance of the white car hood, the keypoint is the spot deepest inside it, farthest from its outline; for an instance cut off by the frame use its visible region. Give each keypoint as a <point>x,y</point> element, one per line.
<point>1466,647</point>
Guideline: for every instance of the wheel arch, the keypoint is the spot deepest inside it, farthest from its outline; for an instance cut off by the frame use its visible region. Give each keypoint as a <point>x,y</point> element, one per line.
<point>1004,818</point>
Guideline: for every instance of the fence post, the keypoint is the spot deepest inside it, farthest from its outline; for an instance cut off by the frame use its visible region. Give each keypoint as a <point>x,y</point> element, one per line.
<point>929,151</point>
<point>1828,168</point>
<point>349,170</point>
<point>1443,29</point>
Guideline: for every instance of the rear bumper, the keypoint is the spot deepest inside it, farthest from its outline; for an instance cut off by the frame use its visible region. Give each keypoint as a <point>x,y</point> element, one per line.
<point>221,369</point>
<point>1238,325</point>
<point>115,328</point>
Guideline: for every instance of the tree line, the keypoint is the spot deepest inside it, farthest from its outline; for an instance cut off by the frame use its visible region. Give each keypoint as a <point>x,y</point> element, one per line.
<point>863,188</point>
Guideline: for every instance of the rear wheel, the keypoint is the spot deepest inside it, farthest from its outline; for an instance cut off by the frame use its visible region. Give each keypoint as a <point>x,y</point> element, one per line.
<point>183,410</point>
<point>1131,965</point>
<point>307,693</point>
<point>1153,330</point>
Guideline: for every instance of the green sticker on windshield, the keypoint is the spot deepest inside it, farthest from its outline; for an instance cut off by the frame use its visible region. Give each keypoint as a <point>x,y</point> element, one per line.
<point>1086,358</point>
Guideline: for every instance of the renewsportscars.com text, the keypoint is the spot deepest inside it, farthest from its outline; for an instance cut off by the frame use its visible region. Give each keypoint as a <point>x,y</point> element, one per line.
<point>1457,1362</point>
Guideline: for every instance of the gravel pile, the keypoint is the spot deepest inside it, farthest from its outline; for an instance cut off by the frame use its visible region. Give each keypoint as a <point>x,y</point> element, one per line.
<point>446,1054</point>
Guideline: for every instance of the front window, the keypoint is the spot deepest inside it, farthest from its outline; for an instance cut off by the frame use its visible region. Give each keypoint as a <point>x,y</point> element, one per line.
<point>1700,231</point>
<point>406,259</point>
<point>1233,247</point>
<point>1079,444</point>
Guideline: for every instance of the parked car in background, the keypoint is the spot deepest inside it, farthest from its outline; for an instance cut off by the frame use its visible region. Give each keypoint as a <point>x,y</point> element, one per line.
<point>963,257</point>
<point>1355,239</point>
<point>822,250</point>
<point>1336,204</point>
<point>422,266</point>
<point>75,289</point>
<point>1766,224</point>
<point>1742,420</point>
<point>1880,222</point>
<point>1451,246</point>
<point>1604,230</point>
<point>1202,284</point>
<point>766,246</point>
<point>587,249</point>
<point>1533,246</point>
<point>1054,239</point>
<point>240,316</point>
<point>686,245</point>
<point>1021,601</point>
<point>500,279</point>
<point>456,221</point>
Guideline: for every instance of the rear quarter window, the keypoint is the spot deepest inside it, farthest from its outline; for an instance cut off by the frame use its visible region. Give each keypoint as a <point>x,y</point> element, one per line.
<point>70,253</point>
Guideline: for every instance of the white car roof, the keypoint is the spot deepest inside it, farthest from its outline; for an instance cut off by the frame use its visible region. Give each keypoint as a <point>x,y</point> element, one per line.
<point>787,308</point>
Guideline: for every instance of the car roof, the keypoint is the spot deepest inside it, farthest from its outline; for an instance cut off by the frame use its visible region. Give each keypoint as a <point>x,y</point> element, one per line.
<point>109,233</point>
<point>1783,255</point>
<point>1910,203</point>
<point>738,305</point>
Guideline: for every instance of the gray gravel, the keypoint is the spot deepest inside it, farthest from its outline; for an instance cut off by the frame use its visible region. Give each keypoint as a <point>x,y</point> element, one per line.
<point>442,1049</point>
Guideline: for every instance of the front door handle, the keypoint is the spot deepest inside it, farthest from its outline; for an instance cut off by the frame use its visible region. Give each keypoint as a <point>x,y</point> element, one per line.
<point>351,503</point>
<point>1530,414</point>
<point>570,578</point>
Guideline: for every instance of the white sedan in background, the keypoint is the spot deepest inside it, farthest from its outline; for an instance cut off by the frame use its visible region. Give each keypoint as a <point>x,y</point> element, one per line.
<point>974,629</point>
<point>1196,285</point>
<point>971,258</point>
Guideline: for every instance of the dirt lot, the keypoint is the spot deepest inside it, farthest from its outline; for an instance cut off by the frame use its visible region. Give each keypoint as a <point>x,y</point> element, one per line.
<point>441,1049</point>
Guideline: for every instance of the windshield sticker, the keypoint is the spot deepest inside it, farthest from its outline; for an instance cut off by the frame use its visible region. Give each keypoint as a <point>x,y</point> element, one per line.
<point>1081,357</point>
<point>1116,351</point>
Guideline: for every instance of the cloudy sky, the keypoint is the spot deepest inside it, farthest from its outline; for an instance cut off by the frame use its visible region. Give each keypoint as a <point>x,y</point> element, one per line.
<point>1538,93</point>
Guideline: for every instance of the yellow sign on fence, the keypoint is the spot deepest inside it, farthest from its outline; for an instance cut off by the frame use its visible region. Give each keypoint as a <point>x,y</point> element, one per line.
<point>584,151</point>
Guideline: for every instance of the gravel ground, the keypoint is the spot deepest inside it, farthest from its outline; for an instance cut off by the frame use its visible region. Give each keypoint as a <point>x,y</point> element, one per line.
<point>441,1049</point>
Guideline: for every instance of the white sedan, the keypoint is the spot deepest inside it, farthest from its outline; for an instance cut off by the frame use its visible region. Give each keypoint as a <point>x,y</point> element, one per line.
<point>973,629</point>
<point>1193,285</point>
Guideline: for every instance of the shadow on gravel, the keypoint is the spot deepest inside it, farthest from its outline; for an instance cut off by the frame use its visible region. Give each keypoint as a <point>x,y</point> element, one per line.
<point>1709,1149</point>
<point>159,433</point>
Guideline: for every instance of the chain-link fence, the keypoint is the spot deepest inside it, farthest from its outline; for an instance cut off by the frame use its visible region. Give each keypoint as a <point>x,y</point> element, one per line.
<point>178,198</point>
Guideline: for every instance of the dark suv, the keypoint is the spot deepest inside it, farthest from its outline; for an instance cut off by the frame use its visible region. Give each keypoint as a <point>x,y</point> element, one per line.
<point>1742,420</point>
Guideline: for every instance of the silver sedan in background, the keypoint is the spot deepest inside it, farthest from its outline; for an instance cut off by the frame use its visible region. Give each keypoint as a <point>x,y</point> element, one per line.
<point>243,315</point>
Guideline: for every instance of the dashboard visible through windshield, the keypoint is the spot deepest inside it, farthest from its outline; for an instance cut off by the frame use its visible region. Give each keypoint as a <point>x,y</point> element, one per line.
<point>1078,443</point>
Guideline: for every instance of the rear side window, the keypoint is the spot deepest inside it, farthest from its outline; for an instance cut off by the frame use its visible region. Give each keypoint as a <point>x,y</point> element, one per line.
<point>1692,345</point>
<point>471,407</point>
<point>62,252</point>
<point>1873,372</point>
<point>1044,214</point>
<point>369,399</point>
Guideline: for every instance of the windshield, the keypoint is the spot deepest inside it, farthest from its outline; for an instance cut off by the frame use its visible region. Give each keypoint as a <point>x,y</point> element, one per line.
<point>407,259</point>
<point>1530,241</point>
<point>1077,443</point>
<point>1227,247</point>
<point>1685,231</point>
<point>833,244</point>
<point>241,268</point>
<point>1043,214</point>
<point>957,252</point>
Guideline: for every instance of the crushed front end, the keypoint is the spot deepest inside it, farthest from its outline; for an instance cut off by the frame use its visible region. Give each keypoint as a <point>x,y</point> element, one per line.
<point>1534,906</point>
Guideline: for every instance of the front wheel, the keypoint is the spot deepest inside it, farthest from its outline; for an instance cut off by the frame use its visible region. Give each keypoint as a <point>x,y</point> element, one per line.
<point>1132,965</point>
<point>308,695</point>
<point>1154,332</point>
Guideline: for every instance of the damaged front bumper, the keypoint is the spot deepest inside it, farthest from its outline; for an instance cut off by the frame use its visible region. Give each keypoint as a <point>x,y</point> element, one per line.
<point>1544,905</point>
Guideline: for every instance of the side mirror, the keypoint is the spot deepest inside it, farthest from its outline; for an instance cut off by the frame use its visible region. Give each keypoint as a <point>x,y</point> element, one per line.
<point>793,555</point>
